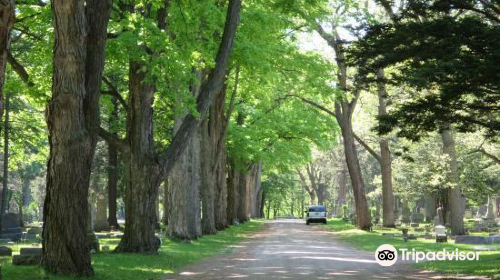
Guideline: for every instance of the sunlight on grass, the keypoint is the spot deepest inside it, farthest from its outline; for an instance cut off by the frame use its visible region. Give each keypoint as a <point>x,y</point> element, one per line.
<point>489,263</point>
<point>172,255</point>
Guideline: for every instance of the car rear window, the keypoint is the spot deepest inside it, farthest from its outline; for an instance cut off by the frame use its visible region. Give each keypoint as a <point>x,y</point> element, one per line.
<point>317,209</point>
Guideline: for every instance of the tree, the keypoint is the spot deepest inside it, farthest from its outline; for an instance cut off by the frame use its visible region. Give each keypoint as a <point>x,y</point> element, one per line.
<point>7,18</point>
<point>145,168</point>
<point>448,60</point>
<point>73,121</point>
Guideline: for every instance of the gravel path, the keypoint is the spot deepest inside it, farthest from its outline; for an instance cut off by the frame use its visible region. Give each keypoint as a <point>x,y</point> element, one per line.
<point>288,249</point>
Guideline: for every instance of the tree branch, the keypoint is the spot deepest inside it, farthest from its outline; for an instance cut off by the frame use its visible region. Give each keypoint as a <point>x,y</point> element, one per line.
<point>112,139</point>
<point>229,112</point>
<point>19,69</point>
<point>330,112</point>
<point>209,89</point>
<point>114,92</point>
<point>491,156</point>
<point>368,148</point>
<point>312,103</point>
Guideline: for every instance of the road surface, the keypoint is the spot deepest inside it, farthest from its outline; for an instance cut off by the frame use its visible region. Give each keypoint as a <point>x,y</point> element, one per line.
<point>288,249</point>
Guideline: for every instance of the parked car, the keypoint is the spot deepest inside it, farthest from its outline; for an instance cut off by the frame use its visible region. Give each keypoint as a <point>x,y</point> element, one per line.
<point>316,214</point>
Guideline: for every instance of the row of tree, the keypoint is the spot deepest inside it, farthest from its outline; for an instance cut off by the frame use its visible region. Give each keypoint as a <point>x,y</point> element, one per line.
<point>187,95</point>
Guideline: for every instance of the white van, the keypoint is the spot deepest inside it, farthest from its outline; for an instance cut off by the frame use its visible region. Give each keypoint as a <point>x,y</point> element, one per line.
<point>316,214</point>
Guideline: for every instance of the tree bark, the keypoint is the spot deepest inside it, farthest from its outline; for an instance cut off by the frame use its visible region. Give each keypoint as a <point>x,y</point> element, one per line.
<point>454,194</point>
<point>7,18</point>
<point>26,192</point>
<point>257,192</point>
<point>385,159</point>
<point>221,192</point>
<point>187,179</point>
<point>232,193</point>
<point>143,173</point>
<point>73,119</point>
<point>342,193</point>
<point>166,204</point>
<point>184,220</point>
<point>243,193</point>
<point>112,171</point>
<point>5,179</point>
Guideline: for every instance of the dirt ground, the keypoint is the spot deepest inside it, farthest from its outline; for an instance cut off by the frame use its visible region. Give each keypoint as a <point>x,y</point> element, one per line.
<point>288,249</point>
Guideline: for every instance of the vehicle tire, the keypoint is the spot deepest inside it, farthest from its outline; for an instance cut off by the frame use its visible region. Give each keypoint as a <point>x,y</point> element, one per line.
<point>307,222</point>
<point>324,221</point>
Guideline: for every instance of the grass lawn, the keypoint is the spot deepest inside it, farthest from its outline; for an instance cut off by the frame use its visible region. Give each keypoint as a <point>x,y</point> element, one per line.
<point>172,255</point>
<point>488,264</point>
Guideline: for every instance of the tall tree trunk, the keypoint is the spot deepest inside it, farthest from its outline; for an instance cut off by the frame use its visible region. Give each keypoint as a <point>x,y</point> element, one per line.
<point>242,186</point>
<point>26,192</point>
<point>184,220</point>
<point>143,173</point>
<point>186,181</point>
<point>7,18</point>
<point>221,192</point>
<point>385,159</point>
<point>321,193</point>
<point>166,204</point>
<point>455,204</point>
<point>232,193</point>
<point>5,179</point>
<point>257,192</point>
<point>343,113</point>
<point>208,161</point>
<point>112,171</point>
<point>73,120</point>
<point>342,193</point>
<point>363,218</point>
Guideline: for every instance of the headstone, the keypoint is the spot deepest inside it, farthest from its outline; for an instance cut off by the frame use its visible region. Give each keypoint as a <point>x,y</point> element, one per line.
<point>11,227</point>
<point>5,251</point>
<point>417,217</point>
<point>440,216</point>
<point>468,214</point>
<point>440,232</point>
<point>388,234</point>
<point>470,239</point>
<point>92,242</point>
<point>412,237</point>
<point>31,251</point>
<point>26,260</point>
<point>490,215</point>
<point>35,230</point>
<point>414,225</point>
<point>28,256</point>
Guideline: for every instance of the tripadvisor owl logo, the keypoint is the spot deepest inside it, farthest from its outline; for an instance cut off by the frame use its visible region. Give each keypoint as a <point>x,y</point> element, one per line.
<point>386,255</point>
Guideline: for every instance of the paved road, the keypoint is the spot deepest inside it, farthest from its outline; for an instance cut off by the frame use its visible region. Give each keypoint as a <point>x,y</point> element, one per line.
<point>288,249</point>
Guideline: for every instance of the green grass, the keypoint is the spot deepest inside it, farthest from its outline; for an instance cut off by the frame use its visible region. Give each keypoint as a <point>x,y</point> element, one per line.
<point>489,263</point>
<point>172,256</point>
